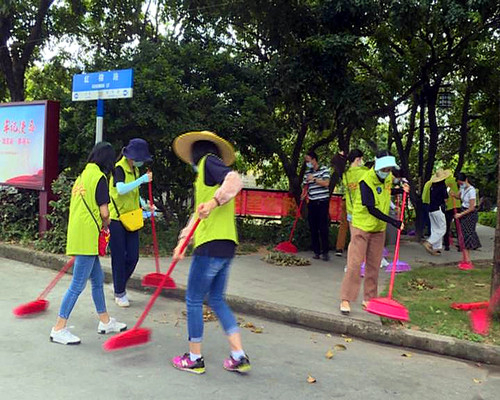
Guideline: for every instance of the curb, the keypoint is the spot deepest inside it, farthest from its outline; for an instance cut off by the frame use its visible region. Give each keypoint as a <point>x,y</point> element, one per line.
<point>443,345</point>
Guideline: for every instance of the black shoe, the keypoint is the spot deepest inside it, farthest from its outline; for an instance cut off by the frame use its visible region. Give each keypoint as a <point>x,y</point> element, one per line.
<point>325,257</point>
<point>338,253</point>
<point>447,248</point>
<point>316,256</point>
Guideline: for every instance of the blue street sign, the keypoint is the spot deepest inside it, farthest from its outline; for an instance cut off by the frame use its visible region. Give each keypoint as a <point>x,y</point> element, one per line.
<point>117,84</point>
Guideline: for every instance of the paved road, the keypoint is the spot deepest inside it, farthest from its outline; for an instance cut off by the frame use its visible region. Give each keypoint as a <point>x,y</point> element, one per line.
<point>282,356</point>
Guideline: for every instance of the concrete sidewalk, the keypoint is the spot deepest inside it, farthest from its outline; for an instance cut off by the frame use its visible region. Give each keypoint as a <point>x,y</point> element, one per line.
<point>308,295</point>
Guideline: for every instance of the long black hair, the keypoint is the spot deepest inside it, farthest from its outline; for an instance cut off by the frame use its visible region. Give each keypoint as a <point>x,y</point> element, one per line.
<point>201,148</point>
<point>103,154</point>
<point>353,154</point>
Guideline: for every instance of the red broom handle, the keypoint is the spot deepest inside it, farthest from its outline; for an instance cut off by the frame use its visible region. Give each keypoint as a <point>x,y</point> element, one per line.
<point>460,235</point>
<point>396,251</point>
<point>59,275</point>
<point>296,219</point>
<point>166,276</point>
<point>153,227</point>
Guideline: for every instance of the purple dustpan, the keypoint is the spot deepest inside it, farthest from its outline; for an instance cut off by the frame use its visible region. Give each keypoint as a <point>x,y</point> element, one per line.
<point>401,266</point>
<point>362,271</point>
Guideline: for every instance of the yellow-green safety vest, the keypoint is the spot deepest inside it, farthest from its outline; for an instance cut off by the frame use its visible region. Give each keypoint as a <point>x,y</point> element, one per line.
<point>220,224</point>
<point>426,193</point>
<point>124,202</point>
<point>361,217</point>
<point>351,179</point>
<point>83,232</point>
<point>451,182</point>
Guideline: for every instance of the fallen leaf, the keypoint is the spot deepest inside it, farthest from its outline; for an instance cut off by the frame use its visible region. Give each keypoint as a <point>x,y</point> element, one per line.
<point>329,354</point>
<point>348,340</point>
<point>476,380</point>
<point>339,347</point>
<point>451,286</point>
<point>406,355</point>
<point>328,335</point>
<point>310,379</point>
<point>257,330</point>
<point>479,284</point>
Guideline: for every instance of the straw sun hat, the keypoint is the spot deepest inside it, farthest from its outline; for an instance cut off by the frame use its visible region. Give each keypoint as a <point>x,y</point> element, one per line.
<point>183,143</point>
<point>441,175</point>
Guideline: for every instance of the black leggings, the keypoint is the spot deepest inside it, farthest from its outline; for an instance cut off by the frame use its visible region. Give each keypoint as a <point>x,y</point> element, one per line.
<point>319,222</point>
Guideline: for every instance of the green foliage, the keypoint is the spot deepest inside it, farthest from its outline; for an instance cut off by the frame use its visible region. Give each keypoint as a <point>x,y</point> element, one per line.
<point>18,215</point>
<point>54,240</point>
<point>488,218</point>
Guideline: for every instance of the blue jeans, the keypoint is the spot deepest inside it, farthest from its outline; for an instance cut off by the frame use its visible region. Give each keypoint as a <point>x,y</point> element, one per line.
<point>208,275</point>
<point>85,267</point>
<point>124,246</point>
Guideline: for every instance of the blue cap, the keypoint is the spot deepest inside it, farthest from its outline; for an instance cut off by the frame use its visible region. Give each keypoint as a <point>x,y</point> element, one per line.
<point>137,150</point>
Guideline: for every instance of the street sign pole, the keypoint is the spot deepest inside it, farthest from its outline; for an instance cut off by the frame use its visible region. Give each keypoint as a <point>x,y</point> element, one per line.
<point>99,124</point>
<point>100,86</point>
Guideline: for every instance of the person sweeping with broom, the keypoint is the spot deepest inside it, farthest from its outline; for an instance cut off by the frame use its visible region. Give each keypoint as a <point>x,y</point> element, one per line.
<point>369,220</point>
<point>215,242</point>
<point>88,211</point>
<point>126,214</point>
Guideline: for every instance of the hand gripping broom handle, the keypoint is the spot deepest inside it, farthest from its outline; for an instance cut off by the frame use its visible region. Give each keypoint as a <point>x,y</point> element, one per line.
<point>396,252</point>
<point>297,216</point>
<point>153,227</point>
<point>167,275</point>
<point>59,275</point>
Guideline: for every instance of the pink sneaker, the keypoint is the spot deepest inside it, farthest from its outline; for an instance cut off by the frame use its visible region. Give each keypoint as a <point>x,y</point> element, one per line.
<point>242,365</point>
<point>184,363</point>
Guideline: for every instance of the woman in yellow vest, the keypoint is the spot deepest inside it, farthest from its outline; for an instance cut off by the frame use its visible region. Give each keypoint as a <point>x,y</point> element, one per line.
<point>88,212</point>
<point>124,192</point>
<point>350,180</point>
<point>215,242</point>
<point>369,220</point>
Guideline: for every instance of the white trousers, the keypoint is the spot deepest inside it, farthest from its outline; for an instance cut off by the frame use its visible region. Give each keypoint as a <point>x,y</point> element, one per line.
<point>438,229</point>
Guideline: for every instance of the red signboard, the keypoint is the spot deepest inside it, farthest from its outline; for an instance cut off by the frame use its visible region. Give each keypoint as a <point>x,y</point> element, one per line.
<point>276,203</point>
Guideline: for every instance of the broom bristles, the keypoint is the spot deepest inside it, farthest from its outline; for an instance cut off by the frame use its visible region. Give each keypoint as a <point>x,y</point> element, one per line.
<point>133,337</point>
<point>286,247</point>
<point>32,307</point>
<point>480,321</point>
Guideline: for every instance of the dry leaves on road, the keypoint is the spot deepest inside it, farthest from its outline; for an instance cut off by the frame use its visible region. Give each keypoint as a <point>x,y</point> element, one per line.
<point>251,326</point>
<point>329,354</point>
<point>310,379</point>
<point>406,355</point>
<point>339,347</point>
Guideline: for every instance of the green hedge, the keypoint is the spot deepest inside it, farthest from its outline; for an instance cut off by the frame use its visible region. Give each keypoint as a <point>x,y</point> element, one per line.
<point>488,218</point>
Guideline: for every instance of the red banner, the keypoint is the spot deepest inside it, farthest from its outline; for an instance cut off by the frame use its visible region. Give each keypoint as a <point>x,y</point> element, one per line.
<point>275,203</point>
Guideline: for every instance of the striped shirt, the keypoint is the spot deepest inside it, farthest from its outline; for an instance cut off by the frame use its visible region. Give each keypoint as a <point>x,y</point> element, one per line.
<point>315,191</point>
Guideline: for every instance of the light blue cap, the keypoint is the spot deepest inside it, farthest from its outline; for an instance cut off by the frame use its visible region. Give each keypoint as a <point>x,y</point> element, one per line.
<point>385,162</point>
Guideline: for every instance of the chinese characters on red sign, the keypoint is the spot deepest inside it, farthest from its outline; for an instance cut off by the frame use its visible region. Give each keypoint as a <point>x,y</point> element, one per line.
<point>15,127</point>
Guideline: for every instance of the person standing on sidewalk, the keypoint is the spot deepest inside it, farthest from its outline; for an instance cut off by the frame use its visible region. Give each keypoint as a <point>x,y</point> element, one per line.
<point>215,241</point>
<point>124,192</point>
<point>451,205</point>
<point>317,179</point>
<point>350,180</point>
<point>438,196</point>
<point>424,215</point>
<point>369,220</point>
<point>468,215</point>
<point>88,211</point>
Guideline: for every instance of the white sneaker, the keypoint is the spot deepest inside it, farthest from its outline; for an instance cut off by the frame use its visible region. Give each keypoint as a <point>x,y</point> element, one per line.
<point>112,326</point>
<point>63,336</point>
<point>122,301</point>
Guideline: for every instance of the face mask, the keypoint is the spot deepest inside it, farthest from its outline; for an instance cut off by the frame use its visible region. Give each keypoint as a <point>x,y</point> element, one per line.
<point>138,163</point>
<point>361,163</point>
<point>309,165</point>
<point>463,186</point>
<point>382,175</point>
<point>195,168</point>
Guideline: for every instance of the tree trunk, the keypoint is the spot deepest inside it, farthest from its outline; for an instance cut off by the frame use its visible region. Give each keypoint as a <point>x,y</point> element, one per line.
<point>431,96</point>
<point>495,274</point>
<point>421,142</point>
<point>464,126</point>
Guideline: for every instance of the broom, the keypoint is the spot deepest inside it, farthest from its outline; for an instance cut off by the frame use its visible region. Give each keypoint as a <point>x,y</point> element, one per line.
<point>288,246</point>
<point>153,279</point>
<point>137,335</point>
<point>386,306</point>
<point>40,304</point>
<point>480,317</point>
